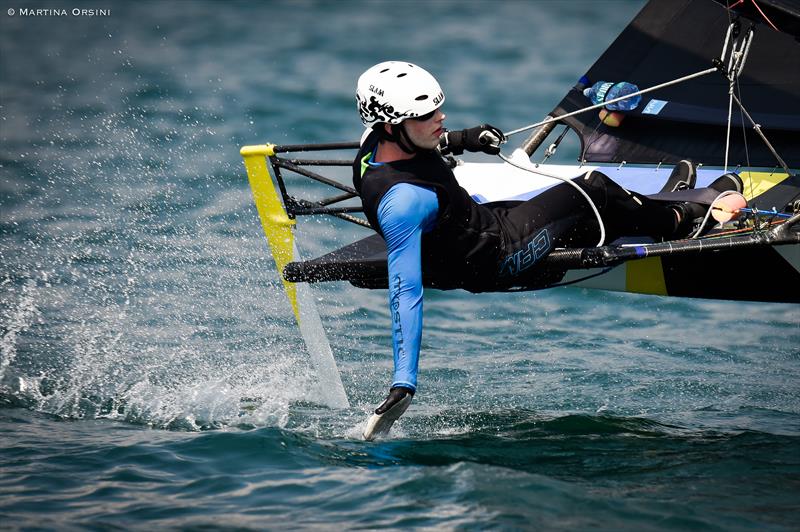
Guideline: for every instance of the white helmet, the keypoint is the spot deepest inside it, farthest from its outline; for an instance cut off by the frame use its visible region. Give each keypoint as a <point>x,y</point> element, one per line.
<point>392,91</point>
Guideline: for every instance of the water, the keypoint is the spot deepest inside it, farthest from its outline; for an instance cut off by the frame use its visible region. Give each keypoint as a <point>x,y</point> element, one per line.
<point>151,372</point>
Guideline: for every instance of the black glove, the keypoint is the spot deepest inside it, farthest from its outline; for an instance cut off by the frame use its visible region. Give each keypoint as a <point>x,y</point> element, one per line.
<point>396,395</point>
<point>484,138</point>
<point>388,412</point>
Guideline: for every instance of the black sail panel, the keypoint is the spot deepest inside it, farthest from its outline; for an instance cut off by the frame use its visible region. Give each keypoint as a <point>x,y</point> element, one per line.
<point>670,39</point>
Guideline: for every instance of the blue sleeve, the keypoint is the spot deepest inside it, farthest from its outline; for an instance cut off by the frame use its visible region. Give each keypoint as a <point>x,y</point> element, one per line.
<point>405,213</point>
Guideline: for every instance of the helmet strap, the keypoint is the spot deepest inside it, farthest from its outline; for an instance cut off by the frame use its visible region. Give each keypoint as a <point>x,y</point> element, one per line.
<point>402,139</point>
<point>398,135</point>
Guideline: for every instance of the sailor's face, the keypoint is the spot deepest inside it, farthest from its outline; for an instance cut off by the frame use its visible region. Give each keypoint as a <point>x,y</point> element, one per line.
<point>425,133</point>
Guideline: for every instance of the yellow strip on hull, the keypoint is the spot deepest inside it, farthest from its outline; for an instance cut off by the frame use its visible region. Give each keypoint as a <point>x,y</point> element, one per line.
<point>756,183</point>
<point>645,276</point>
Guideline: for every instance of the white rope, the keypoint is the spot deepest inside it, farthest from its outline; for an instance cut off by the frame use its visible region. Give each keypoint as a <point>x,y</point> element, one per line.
<point>728,130</point>
<point>571,183</point>
<point>727,37</point>
<point>746,52</point>
<point>735,66</point>
<point>710,208</point>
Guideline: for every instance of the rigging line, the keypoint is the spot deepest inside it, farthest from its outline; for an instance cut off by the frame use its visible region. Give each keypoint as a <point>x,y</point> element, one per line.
<point>735,67</point>
<point>735,77</point>
<point>728,129</point>
<point>551,150</point>
<point>733,59</point>
<point>749,41</point>
<point>773,213</point>
<point>765,16</point>
<point>571,183</point>
<point>744,142</point>
<point>727,37</point>
<point>592,140</point>
<point>757,127</point>
<point>609,102</point>
<point>730,30</point>
<point>581,279</point>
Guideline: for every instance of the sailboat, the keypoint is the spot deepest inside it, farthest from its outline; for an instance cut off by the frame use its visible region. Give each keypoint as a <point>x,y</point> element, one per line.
<point>720,87</point>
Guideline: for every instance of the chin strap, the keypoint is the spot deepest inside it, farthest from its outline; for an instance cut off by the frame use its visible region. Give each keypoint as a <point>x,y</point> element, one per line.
<point>402,139</point>
<point>399,136</point>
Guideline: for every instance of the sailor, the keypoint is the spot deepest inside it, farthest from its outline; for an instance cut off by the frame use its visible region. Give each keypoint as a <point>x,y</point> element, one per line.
<point>411,197</point>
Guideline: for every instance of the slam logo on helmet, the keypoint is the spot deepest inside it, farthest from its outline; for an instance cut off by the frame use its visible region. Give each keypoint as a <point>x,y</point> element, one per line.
<point>376,90</point>
<point>438,99</point>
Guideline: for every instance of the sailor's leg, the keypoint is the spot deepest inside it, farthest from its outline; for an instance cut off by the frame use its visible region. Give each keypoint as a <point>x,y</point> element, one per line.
<point>561,211</point>
<point>627,213</point>
<point>561,217</point>
<point>558,217</point>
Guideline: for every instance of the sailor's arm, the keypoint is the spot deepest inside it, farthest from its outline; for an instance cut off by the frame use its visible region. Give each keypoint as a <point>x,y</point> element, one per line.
<point>404,213</point>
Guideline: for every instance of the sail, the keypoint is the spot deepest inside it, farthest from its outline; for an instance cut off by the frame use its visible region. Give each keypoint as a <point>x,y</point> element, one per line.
<point>670,39</point>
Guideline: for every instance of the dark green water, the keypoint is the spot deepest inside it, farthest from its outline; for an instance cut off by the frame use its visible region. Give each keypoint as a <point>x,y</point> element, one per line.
<point>152,376</point>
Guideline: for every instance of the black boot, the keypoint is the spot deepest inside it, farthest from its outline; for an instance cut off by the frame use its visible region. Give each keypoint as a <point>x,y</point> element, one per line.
<point>683,177</point>
<point>726,182</point>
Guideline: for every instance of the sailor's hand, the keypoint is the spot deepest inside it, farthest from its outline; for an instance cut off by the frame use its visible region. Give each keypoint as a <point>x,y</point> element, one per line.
<point>484,138</point>
<point>387,413</point>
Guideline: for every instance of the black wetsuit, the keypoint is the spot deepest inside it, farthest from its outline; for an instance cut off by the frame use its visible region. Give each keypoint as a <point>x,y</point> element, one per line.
<point>429,221</point>
<point>479,245</point>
